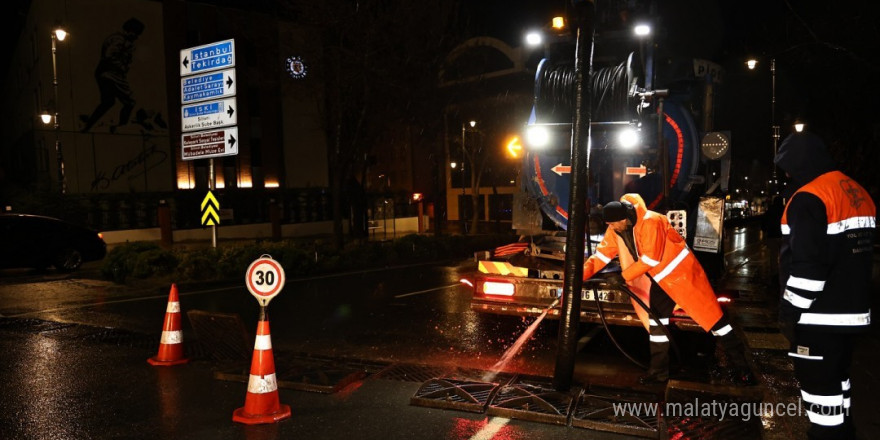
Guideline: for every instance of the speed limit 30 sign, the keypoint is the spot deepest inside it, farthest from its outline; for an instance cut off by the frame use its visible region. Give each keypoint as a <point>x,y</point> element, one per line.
<point>265,279</point>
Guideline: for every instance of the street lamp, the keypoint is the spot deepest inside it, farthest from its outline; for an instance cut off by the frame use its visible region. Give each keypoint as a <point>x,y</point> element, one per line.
<point>58,34</point>
<point>645,34</point>
<point>752,64</point>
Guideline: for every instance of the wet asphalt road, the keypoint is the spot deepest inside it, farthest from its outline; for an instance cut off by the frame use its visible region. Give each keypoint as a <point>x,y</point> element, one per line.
<point>75,353</point>
<point>75,349</point>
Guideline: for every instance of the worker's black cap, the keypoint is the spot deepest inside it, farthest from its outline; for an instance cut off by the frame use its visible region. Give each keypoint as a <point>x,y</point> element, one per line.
<point>613,212</point>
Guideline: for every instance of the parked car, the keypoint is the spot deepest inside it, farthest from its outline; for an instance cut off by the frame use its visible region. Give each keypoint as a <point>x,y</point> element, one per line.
<point>39,242</point>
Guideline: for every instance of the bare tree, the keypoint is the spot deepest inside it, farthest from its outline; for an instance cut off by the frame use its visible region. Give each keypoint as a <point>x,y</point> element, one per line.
<point>380,61</point>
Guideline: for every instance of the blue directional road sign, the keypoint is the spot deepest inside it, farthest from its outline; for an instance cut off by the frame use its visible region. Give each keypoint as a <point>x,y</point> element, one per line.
<point>207,58</point>
<point>209,114</point>
<point>207,86</point>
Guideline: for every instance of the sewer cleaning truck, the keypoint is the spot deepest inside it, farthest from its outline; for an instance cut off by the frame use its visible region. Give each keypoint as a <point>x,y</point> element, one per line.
<point>644,140</point>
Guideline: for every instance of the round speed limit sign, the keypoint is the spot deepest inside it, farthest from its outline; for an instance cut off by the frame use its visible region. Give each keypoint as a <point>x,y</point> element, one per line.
<point>265,279</point>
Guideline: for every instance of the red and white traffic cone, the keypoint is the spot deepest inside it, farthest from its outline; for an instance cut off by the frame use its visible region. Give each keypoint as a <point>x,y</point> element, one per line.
<point>261,405</point>
<point>171,344</point>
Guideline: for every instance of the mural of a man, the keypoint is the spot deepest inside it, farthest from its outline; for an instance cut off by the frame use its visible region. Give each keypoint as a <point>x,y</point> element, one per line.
<point>111,75</point>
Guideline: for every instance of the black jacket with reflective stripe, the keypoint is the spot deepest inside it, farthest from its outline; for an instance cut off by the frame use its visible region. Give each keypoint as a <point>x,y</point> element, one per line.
<point>827,247</point>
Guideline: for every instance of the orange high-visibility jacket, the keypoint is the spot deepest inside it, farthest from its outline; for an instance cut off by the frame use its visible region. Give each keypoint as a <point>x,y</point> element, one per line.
<point>664,256</point>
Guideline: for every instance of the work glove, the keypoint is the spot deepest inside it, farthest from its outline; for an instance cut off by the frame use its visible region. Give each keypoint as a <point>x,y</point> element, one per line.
<point>789,315</point>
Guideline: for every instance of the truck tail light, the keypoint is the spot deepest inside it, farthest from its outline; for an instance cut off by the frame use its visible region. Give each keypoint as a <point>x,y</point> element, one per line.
<point>498,288</point>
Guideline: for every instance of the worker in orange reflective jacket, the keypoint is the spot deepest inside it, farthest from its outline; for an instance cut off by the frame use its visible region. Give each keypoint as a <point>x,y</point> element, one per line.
<point>659,268</point>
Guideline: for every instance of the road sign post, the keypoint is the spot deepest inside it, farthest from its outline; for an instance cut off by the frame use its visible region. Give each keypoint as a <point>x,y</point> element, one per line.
<point>206,74</point>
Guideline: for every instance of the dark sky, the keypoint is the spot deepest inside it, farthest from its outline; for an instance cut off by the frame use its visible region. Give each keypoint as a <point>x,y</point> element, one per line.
<point>826,51</point>
<point>11,22</point>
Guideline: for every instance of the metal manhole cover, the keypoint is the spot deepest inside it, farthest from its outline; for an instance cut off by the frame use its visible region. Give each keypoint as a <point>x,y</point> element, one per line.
<point>531,401</point>
<point>222,334</point>
<point>321,375</point>
<point>618,411</point>
<point>446,393</point>
<point>320,378</point>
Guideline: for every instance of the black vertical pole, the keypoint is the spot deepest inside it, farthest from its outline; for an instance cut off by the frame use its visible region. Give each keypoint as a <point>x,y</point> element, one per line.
<point>663,147</point>
<point>569,316</point>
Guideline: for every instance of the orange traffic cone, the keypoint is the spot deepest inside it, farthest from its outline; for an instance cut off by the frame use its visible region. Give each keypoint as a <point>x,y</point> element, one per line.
<point>261,404</point>
<point>171,344</point>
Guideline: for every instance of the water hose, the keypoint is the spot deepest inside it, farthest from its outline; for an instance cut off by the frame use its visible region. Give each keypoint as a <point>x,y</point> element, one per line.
<point>641,304</point>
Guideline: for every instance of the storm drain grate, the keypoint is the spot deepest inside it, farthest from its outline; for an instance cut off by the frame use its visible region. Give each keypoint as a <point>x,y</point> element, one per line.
<point>33,326</point>
<point>322,375</point>
<point>530,400</point>
<point>412,373</point>
<point>699,411</point>
<point>223,335</point>
<point>698,428</point>
<point>122,338</point>
<point>446,393</point>
<point>92,334</point>
<point>619,411</point>
<point>80,332</point>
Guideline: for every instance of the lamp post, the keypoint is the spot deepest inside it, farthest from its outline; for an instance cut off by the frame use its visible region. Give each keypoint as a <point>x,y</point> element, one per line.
<point>463,154</point>
<point>59,35</point>
<point>752,63</point>
<point>773,114</point>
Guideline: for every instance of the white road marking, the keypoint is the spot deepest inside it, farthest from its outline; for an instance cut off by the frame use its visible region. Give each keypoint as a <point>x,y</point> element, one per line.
<point>495,424</point>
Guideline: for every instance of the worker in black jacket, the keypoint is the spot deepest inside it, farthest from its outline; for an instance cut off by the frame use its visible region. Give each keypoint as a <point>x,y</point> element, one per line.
<point>825,263</point>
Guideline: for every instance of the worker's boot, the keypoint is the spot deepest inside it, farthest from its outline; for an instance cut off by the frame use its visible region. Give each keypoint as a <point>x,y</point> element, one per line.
<point>737,368</point>
<point>658,369</point>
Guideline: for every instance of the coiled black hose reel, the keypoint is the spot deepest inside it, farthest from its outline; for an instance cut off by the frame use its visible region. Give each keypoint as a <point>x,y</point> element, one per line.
<point>615,88</point>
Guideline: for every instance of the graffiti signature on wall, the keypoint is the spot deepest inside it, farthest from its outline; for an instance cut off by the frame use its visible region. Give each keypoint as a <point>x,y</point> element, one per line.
<point>150,157</point>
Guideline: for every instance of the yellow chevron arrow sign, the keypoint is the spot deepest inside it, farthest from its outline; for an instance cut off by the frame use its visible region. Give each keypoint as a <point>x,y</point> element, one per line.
<point>210,210</point>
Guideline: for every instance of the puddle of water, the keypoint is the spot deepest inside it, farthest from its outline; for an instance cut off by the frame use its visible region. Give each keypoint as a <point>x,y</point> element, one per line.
<point>517,346</point>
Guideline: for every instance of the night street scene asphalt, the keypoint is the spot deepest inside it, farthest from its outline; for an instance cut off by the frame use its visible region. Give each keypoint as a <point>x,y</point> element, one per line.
<point>223,219</point>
